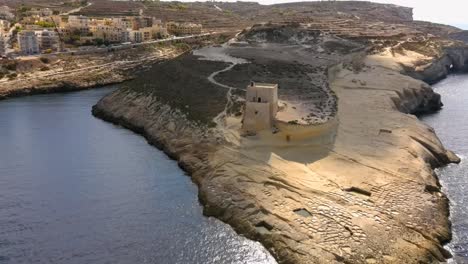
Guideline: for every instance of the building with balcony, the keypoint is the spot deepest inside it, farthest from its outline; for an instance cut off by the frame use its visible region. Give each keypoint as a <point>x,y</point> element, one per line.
<point>48,40</point>
<point>108,33</point>
<point>180,29</point>
<point>135,36</point>
<point>79,23</point>
<point>27,42</point>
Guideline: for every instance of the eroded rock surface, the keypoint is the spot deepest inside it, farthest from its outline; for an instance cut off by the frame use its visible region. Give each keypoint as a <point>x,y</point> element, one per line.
<point>361,189</point>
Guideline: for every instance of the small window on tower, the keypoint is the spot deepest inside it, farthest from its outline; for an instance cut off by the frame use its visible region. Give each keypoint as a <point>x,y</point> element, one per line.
<point>259,99</point>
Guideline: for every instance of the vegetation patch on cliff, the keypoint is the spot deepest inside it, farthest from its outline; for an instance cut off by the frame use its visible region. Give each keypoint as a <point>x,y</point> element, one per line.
<point>182,83</point>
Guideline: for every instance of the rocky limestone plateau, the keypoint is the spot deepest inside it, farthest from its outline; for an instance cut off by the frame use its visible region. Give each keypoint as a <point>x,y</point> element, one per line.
<point>361,188</point>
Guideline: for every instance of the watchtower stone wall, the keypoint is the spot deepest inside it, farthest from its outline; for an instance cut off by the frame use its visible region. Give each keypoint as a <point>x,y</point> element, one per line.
<point>261,106</point>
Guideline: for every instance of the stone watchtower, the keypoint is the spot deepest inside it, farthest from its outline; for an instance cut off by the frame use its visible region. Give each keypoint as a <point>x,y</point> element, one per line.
<point>261,106</point>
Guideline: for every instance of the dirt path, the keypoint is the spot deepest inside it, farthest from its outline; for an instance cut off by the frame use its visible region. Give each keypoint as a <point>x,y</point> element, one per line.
<point>220,118</point>
<point>218,54</point>
<point>76,10</point>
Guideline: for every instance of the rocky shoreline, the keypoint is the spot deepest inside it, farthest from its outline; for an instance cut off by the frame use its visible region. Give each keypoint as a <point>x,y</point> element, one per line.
<point>359,188</point>
<point>66,85</point>
<point>65,73</point>
<point>363,191</point>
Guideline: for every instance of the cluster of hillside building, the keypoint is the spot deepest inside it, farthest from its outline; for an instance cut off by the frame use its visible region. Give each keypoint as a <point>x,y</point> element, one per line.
<point>42,30</point>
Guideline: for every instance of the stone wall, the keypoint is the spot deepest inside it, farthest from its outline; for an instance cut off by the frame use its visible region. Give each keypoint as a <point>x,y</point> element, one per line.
<point>294,133</point>
<point>257,116</point>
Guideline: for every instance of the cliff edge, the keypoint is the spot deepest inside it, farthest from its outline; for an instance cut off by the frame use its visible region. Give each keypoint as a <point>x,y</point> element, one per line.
<point>360,188</point>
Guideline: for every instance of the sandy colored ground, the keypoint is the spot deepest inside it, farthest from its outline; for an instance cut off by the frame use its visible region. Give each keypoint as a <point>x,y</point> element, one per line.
<point>361,190</point>
<point>365,190</point>
<point>356,188</point>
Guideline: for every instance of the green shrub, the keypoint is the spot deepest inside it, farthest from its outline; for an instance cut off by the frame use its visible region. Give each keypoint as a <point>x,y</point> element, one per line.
<point>24,9</point>
<point>17,29</point>
<point>45,24</point>
<point>182,46</point>
<point>178,5</point>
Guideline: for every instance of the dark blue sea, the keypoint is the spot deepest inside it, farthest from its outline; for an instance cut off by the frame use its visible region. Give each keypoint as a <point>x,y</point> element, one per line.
<point>75,189</point>
<point>451,125</point>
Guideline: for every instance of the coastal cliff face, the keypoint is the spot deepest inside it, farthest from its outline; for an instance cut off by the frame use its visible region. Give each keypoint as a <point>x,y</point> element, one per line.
<point>61,84</point>
<point>451,60</point>
<point>373,197</point>
<point>362,189</point>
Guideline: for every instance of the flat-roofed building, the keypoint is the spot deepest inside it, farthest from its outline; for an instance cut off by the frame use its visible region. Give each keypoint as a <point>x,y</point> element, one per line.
<point>123,22</point>
<point>27,42</point>
<point>47,40</point>
<point>109,33</point>
<point>135,36</point>
<point>183,28</point>
<point>80,23</point>
<point>125,36</point>
<point>147,33</point>
<point>40,12</point>
<point>142,22</point>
